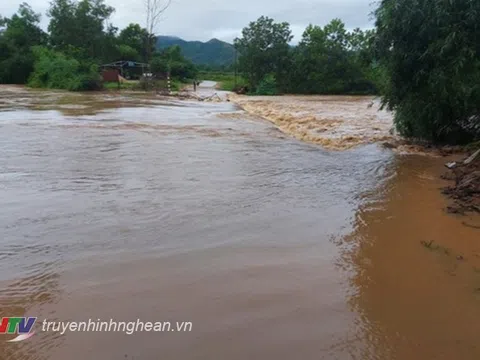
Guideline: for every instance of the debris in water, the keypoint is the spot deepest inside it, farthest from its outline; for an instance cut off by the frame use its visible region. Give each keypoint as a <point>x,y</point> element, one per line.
<point>472,157</point>
<point>389,145</point>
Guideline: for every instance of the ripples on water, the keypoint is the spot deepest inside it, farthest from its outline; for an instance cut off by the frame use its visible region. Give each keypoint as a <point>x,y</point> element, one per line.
<point>186,212</point>
<point>335,122</point>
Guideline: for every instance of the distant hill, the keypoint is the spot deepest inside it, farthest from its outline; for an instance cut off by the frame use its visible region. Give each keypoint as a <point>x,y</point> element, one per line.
<point>213,52</point>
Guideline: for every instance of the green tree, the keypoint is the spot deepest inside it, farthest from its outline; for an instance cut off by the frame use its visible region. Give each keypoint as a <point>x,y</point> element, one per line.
<point>330,60</point>
<point>79,27</point>
<point>264,49</point>
<point>310,58</point>
<point>159,66</point>
<point>172,60</point>
<point>110,50</point>
<point>20,33</point>
<point>137,38</point>
<point>431,53</point>
<point>56,70</point>
<point>126,52</point>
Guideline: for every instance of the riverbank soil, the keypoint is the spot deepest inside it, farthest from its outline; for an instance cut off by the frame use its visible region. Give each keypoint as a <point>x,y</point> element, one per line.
<point>417,269</point>
<point>466,188</point>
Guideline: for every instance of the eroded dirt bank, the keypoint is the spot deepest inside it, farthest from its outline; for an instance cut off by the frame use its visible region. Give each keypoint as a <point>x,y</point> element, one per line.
<point>335,122</point>
<point>465,190</point>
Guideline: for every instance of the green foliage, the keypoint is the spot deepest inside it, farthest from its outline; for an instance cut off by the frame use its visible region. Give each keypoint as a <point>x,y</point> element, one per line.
<point>111,85</point>
<point>21,32</point>
<point>126,52</point>
<point>330,60</point>
<point>226,80</point>
<point>55,70</point>
<point>171,59</point>
<point>136,38</point>
<point>78,43</point>
<point>177,85</point>
<point>268,86</point>
<point>423,56</point>
<point>79,40</point>
<point>159,66</point>
<point>232,85</point>
<point>15,66</point>
<point>79,25</point>
<point>218,76</point>
<point>431,54</point>
<point>264,49</point>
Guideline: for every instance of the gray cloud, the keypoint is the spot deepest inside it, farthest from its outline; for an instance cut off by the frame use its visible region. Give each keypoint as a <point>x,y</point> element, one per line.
<point>205,19</point>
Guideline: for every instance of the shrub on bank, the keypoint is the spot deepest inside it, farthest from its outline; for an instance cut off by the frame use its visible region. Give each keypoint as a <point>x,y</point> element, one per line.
<point>57,71</point>
<point>431,51</point>
<point>268,86</point>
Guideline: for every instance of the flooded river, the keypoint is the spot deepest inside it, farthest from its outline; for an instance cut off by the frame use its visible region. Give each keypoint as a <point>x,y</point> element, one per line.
<point>133,207</point>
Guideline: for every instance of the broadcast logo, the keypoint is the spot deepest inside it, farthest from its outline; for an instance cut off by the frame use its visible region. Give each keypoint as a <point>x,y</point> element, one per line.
<point>23,326</point>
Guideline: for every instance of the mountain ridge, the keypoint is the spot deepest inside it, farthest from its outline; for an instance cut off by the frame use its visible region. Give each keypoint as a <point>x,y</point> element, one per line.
<point>213,52</point>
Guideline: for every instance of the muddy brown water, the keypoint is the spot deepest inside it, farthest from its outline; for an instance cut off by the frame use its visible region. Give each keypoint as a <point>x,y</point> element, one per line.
<point>127,206</point>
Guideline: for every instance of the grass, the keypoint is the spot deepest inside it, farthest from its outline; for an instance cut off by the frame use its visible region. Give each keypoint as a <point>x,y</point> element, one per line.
<point>130,85</point>
<point>229,85</point>
<point>225,80</point>
<point>216,76</point>
<point>176,85</point>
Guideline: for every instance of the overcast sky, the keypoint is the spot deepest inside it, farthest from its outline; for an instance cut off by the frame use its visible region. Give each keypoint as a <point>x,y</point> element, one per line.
<point>224,19</point>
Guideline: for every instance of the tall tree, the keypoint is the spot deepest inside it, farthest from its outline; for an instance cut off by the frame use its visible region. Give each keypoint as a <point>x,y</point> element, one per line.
<point>264,49</point>
<point>78,27</point>
<point>328,60</point>
<point>153,10</point>
<point>110,49</point>
<point>138,39</point>
<point>172,60</point>
<point>431,53</point>
<point>20,33</point>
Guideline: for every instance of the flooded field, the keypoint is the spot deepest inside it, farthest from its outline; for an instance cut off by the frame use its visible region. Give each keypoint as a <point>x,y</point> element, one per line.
<point>136,207</point>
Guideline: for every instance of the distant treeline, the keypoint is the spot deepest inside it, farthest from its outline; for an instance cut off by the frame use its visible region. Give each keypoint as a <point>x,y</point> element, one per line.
<point>422,57</point>
<point>69,55</point>
<point>327,60</point>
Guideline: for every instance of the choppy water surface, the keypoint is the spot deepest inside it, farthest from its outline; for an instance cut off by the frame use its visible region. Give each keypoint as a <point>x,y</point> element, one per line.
<point>129,207</point>
<point>335,122</point>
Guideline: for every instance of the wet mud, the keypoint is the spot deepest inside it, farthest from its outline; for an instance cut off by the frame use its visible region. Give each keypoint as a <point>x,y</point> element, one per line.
<point>465,187</point>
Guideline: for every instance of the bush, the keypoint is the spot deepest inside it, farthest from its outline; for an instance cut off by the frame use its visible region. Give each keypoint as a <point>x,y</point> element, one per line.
<point>431,51</point>
<point>15,65</point>
<point>268,86</point>
<point>159,66</point>
<point>172,60</point>
<point>55,70</point>
<point>182,70</point>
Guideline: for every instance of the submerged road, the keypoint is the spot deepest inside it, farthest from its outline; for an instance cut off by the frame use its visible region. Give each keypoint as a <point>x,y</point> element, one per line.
<point>135,207</point>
